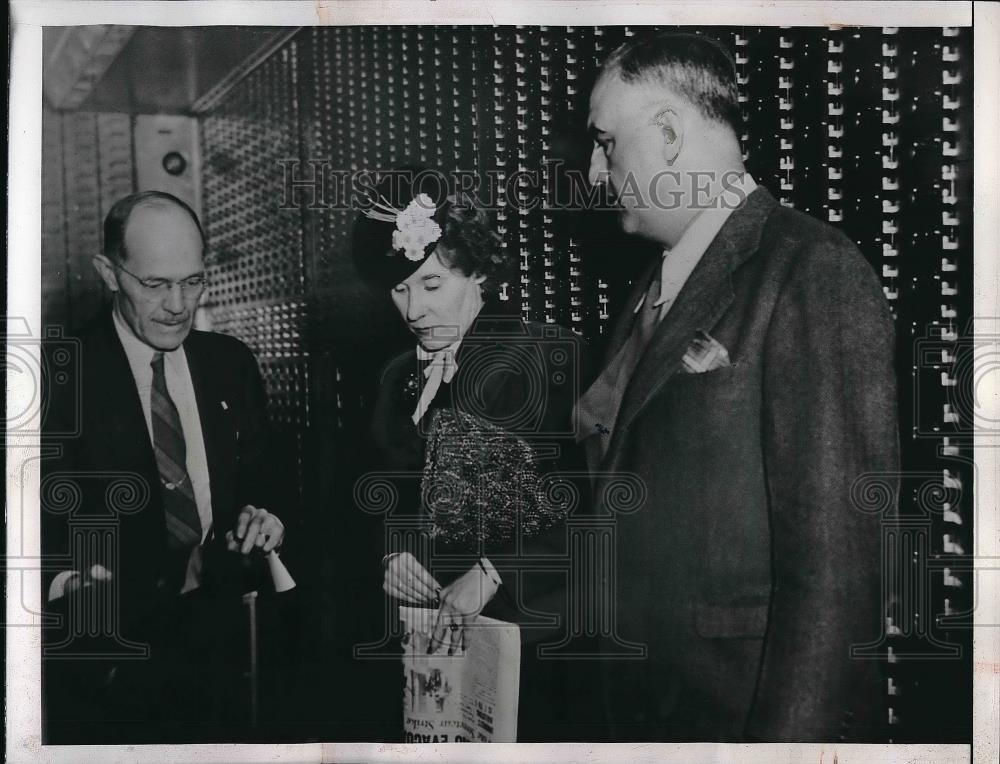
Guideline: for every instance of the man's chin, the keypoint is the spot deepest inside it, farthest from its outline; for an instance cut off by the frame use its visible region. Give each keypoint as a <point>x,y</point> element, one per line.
<point>628,222</point>
<point>166,338</point>
<point>432,346</point>
<point>633,225</point>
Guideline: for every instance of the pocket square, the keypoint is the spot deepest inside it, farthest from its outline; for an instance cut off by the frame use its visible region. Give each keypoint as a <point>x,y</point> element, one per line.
<point>705,353</point>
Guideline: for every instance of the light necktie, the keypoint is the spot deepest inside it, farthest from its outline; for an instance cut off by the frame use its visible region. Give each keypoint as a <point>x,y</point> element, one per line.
<point>442,368</point>
<point>597,410</point>
<point>180,508</point>
<point>649,315</point>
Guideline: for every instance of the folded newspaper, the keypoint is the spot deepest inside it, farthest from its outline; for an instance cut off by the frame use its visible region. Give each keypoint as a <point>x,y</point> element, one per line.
<point>470,696</point>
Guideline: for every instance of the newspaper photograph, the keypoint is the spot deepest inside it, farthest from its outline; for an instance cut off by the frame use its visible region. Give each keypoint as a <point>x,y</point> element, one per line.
<point>469,695</point>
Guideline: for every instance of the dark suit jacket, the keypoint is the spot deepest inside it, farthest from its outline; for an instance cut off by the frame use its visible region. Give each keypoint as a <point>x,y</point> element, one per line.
<point>748,572</point>
<point>109,468</point>
<point>113,443</point>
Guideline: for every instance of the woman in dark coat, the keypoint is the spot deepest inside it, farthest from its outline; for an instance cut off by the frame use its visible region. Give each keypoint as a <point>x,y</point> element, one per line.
<point>480,412</point>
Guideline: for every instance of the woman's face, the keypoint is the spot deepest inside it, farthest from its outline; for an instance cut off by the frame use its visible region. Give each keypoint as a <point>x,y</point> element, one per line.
<point>438,303</point>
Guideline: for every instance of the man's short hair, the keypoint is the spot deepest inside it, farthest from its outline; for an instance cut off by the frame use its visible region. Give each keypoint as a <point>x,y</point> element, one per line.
<point>697,68</point>
<point>117,219</point>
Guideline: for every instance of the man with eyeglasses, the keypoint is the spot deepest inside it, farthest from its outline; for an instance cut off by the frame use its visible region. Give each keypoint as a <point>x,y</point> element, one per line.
<point>170,453</point>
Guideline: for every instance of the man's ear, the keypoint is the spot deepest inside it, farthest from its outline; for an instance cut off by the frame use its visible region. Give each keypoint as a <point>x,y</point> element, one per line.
<point>668,122</point>
<point>106,271</point>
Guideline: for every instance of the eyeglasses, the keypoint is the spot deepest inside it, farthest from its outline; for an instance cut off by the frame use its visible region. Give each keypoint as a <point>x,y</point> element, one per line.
<point>190,286</point>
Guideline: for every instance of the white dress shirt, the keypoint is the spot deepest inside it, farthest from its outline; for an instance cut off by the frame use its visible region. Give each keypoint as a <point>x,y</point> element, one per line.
<point>680,260</point>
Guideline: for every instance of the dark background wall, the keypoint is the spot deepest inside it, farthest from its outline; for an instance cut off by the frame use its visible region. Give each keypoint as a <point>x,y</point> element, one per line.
<point>869,129</point>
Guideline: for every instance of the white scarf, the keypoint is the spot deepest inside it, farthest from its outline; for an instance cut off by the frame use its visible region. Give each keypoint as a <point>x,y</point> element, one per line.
<point>442,368</point>
<point>443,365</point>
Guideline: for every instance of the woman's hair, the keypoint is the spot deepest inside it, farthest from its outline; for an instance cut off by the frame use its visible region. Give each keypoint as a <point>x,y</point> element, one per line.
<point>467,242</point>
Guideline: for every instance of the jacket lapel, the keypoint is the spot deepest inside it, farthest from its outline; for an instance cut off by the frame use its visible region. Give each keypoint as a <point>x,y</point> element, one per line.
<point>699,306</point>
<point>498,337</point>
<point>117,398</point>
<point>117,434</point>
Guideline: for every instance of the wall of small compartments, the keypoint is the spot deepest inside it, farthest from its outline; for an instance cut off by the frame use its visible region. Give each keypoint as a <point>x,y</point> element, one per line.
<point>256,245</point>
<point>868,129</point>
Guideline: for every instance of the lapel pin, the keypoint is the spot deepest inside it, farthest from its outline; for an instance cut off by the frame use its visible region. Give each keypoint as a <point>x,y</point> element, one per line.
<point>225,406</point>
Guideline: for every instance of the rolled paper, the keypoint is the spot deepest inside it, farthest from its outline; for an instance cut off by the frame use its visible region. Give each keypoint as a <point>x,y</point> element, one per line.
<point>282,579</point>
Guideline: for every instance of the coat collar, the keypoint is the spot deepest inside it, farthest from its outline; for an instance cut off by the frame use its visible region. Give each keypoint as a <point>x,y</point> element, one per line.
<point>700,305</point>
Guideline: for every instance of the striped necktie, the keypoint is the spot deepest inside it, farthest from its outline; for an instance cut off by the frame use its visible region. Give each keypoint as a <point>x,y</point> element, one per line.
<point>181,509</point>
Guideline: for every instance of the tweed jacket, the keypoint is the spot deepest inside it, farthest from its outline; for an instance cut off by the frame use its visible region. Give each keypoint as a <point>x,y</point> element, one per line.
<point>747,574</point>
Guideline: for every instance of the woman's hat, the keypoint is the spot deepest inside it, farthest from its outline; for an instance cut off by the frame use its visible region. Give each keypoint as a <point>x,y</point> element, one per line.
<point>401,221</point>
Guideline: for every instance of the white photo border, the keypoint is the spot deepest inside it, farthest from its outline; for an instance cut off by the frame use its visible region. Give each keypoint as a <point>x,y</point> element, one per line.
<point>24,315</point>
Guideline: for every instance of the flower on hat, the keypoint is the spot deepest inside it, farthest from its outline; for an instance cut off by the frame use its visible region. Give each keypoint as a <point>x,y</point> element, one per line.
<point>415,228</point>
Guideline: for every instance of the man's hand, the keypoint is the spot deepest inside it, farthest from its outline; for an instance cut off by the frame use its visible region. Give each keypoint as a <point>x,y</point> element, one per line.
<point>406,579</point>
<point>461,601</point>
<point>255,529</point>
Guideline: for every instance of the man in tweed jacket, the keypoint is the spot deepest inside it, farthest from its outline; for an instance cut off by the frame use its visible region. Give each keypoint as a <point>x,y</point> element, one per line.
<point>749,384</point>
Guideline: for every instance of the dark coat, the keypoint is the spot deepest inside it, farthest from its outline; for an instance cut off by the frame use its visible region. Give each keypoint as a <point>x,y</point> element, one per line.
<point>748,573</point>
<point>109,462</point>
<point>523,377</point>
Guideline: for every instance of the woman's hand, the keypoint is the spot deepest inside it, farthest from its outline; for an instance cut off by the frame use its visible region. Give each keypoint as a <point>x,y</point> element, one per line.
<point>461,601</point>
<point>406,579</point>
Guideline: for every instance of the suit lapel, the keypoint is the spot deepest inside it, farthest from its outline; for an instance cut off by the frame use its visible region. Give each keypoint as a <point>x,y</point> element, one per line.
<point>699,306</point>
<point>117,397</point>
<point>499,338</point>
<point>118,436</point>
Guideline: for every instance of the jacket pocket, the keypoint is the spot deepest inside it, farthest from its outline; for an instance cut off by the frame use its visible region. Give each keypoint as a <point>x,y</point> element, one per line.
<point>722,621</point>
